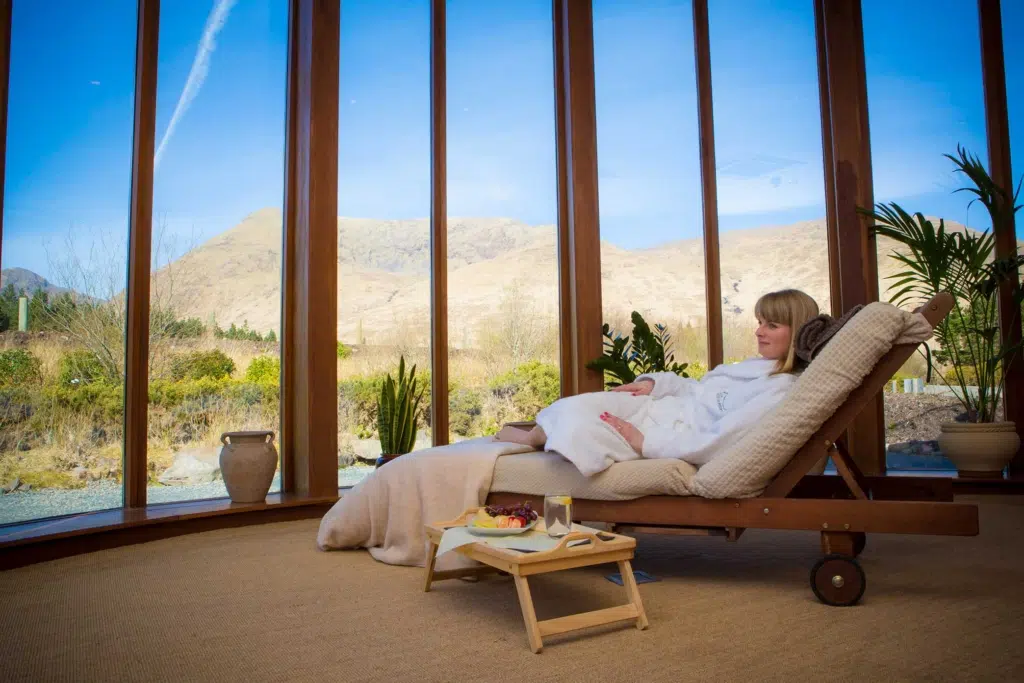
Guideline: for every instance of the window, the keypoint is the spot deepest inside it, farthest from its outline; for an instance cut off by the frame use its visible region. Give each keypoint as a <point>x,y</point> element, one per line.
<point>69,146</point>
<point>502,209</point>
<point>770,173</point>
<point>923,101</point>
<point>652,250</point>
<point>384,227</point>
<point>215,306</point>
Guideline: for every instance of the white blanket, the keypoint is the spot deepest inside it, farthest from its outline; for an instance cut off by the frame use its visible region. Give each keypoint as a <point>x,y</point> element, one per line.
<point>683,418</point>
<point>386,512</point>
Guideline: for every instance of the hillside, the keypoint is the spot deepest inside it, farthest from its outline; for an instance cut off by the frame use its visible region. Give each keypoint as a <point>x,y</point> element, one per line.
<point>497,268</point>
<point>26,280</point>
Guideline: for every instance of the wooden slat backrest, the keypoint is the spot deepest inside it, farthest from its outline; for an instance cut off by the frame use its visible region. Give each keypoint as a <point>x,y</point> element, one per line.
<point>817,446</point>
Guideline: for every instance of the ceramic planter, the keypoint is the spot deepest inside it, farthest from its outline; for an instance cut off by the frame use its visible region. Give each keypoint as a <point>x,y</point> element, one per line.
<point>979,450</point>
<point>248,461</point>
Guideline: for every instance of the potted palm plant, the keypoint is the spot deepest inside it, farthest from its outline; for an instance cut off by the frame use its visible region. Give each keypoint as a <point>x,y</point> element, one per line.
<point>979,443</point>
<point>398,414</point>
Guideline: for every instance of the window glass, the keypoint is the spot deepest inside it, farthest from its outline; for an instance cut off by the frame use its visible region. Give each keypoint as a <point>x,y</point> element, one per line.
<point>64,258</point>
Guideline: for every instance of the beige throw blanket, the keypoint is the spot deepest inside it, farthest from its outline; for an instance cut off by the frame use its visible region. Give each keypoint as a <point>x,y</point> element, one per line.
<point>387,511</point>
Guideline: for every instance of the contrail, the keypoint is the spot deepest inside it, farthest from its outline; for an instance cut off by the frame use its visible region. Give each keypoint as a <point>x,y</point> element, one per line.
<point>200,67</point>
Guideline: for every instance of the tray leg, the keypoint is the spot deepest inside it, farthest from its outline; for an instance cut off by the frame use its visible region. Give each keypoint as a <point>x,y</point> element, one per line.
<point>629,581</point>
<point>431,558</point>
<point>529,616</point>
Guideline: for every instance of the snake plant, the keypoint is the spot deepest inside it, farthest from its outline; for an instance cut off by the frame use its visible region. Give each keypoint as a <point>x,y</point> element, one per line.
<point>397,409</point>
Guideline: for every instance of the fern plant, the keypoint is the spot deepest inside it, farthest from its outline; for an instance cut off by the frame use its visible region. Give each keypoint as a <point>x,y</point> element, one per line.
<point>397,409</point>
<point>649,351</point>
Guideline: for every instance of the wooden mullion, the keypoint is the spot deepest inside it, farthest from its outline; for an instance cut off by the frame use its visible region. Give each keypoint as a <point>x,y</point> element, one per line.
<point>575,57</point>
<point>831,225</point>
<point>709,182</point>
<point>997,126</point>
<point>438,224</point>
<point>140,237</point>
<point>310,430</point>
<point>842,35</point>
<point>567,384</point>
<point>289,256</point>
<point>5,80</point>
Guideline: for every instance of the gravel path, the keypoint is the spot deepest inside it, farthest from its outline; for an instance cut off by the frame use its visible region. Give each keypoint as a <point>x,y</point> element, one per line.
<point>104,495</point>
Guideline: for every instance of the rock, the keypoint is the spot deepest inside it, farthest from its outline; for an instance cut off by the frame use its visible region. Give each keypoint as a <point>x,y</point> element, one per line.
<point>24,446</point>
<point>25,487</point>
<point>80,473</point>
<point>13,486</point>
<point>194,466</point>
<point>366,451</point>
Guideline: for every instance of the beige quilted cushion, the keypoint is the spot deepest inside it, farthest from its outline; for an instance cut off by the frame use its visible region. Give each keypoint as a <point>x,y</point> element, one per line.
<point>542,473</point>
<point>747,468</point>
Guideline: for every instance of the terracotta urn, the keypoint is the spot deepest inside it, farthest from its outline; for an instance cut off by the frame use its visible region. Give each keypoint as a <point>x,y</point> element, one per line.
<point>981,449</point>
<point>248,461</point>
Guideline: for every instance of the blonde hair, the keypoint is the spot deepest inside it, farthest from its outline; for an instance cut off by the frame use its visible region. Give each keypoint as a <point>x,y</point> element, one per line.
<point>789,307</point>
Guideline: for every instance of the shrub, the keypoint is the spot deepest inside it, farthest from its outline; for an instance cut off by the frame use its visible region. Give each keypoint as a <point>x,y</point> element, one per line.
<point>51,479</point>
<point>531,387</point>
<point>697,369</point>
<point>252,393</point>
<point>970,375</point>
<point>201,364</point>
<point>358,396</point>
<point>343,351</point>
<point>189,328</point>
<point>16,405</point>
<point>80,367</point>
<point>103,400</point>
<point>264,370</point>
<point>465,408</point>
<point>19,368</point>
<point>170,394</point>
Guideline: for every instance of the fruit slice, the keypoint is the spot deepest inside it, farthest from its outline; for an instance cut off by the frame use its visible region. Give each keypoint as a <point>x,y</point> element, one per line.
<point>482,519</point>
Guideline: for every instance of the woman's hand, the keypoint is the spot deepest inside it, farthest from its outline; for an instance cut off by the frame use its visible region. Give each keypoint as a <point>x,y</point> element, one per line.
<point>641,387</point>
<point>633,436</point>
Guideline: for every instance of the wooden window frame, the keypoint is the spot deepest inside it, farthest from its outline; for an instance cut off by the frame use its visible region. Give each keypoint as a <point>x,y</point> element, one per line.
<point>709,183</point>
<point>997,129</point>
<point>309,240</point>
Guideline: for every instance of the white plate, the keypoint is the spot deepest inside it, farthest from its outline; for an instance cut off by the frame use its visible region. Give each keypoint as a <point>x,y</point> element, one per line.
<point>487,531</point>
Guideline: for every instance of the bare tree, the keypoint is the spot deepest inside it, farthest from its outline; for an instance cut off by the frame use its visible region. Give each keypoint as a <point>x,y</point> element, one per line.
<point>95,317</point>
<point>521,330</point>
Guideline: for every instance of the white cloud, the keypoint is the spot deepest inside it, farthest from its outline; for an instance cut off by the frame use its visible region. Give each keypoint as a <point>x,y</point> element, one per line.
<point>197,74</point>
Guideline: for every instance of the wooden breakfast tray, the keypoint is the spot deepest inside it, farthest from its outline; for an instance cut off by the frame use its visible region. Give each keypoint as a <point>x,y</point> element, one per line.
<point>600,548</point>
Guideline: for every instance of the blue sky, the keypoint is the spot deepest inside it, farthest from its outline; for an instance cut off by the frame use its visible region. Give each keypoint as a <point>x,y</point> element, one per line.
<point>72,75</point>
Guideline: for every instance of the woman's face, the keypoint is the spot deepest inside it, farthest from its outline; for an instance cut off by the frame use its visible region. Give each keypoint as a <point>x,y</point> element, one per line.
<point>773,339</point>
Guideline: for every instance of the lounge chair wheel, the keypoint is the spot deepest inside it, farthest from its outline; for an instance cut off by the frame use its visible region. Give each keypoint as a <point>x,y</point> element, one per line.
<point>838,580</point>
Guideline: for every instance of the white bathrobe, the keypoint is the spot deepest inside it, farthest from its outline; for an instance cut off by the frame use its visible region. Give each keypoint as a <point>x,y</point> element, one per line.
<point>682,418</point>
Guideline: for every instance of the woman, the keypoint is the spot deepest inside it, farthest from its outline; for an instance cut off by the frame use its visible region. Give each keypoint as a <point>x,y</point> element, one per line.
<point>663,415</point>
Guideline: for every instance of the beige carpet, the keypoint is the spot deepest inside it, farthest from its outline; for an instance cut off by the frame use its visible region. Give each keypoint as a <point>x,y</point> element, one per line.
<point>261,604</point>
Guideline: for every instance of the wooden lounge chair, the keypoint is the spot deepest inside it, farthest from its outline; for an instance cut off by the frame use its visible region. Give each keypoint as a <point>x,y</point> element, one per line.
<point>843,507</point>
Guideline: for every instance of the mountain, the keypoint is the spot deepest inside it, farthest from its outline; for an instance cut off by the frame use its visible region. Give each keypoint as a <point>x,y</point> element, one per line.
<point>26,280</point>
<point>497,269</point>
